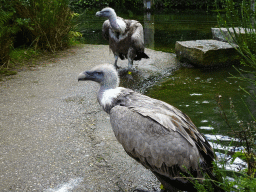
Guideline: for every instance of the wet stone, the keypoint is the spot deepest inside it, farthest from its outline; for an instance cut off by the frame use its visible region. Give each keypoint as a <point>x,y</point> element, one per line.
<point>228,34</point>
<point>206,53</point>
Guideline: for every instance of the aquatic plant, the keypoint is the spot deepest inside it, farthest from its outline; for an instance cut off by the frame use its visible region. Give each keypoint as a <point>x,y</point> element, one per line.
<point>238,17</point>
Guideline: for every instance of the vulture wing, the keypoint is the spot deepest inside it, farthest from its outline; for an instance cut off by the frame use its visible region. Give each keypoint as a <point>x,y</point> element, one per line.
<point>159,135</point>
<point>105,29</point>
<point>137,36</point>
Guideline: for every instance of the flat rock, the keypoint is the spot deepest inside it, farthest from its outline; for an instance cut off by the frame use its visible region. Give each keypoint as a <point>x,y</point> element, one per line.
<point>228,34</point>
<point>206,53</point>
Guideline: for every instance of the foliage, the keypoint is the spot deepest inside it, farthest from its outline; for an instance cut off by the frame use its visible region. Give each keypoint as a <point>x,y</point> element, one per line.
<point>243,179</point>
<point>232,182</point>
<point>125,5</point>
<point>240,15</point>
<point>47,22</point>
<point>8,29</point>
<point>186,4</point>
<point>246,135</point>
<point>137,5</point>
<point>37,24</point>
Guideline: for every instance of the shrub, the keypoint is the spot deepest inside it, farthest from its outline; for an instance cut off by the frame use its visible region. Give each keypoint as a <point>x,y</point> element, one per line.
<point>8,29</point>
<point>46,23</point>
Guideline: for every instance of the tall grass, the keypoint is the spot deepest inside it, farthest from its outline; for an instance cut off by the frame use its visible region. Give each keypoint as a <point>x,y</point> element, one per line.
<point>240,17</point>
<point>7,30</point>
<point>36,24</point>
<point>49,22</point>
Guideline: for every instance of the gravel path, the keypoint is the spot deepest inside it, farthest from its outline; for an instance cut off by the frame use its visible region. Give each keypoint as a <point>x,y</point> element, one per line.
<point>54,136</point>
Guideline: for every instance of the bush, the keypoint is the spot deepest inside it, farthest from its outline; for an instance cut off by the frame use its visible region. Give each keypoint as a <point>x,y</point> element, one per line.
<point>134,5</point>
<point>8,29</point>
<point>46,24</point>
<point>43,24</point>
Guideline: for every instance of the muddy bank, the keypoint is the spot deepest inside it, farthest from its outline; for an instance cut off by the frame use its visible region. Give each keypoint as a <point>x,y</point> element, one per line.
<point>54,135</point>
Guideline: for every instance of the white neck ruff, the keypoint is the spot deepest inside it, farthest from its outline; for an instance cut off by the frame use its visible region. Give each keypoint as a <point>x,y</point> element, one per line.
<point>109,95</point>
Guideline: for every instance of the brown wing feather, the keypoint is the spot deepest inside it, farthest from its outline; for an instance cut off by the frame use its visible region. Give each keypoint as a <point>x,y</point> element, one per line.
<point>105,29</point>
<point>151,142</point>
<point>170,118</point>
<point>166,153</point>
<point>137,36</point>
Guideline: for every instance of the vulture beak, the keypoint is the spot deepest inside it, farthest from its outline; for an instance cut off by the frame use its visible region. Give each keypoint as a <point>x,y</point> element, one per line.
<point>84,76</point>
<point>98,14</point>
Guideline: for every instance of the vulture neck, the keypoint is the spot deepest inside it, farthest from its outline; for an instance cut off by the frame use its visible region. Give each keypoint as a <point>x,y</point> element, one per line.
<point>108,93</point>
<point>117,24</point>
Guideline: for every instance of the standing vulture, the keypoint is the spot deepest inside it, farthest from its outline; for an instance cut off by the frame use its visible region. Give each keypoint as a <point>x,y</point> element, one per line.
<point>154,133</point>
<point>126,38</point>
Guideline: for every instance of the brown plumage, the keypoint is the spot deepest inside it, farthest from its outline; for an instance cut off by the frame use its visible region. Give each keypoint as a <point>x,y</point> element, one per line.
<point>126,38</point>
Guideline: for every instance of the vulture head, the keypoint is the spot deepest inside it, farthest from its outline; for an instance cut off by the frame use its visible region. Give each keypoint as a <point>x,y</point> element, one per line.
<point>105,74</point>
<point>106,12</point>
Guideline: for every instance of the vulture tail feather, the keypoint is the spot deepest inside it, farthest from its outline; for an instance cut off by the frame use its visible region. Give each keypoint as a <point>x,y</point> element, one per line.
<point>141,55</point>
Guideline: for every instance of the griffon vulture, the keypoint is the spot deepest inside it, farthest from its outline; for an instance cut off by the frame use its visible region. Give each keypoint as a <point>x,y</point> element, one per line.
<point>154,133</point>
<point>126,38</point>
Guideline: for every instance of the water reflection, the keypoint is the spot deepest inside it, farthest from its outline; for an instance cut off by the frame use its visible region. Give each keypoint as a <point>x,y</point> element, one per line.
<point>147,4</point>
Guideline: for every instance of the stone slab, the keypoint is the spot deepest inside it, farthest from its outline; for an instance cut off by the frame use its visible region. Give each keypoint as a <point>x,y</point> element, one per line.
<point>228,34</point>
<point>206,53</point>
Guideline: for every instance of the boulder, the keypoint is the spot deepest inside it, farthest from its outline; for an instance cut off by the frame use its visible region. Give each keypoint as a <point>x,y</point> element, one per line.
<point>228,34</point>
<point>206,53</point>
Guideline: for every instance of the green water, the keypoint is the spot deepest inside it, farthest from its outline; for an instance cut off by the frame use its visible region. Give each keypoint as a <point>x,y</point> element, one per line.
<point>166,28</point>
<point>196,92</point>
<point>191,90</point>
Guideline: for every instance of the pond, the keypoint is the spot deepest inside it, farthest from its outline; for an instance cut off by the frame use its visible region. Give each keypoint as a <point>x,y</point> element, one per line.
<point>194,91</point>
<point>161,30</point>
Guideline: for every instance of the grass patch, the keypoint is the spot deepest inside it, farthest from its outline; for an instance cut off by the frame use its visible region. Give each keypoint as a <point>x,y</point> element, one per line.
<point>7,72</point>
<point>19,59</point>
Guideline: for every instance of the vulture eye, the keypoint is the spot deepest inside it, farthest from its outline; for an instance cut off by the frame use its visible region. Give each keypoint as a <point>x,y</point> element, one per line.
<point>98,72</point>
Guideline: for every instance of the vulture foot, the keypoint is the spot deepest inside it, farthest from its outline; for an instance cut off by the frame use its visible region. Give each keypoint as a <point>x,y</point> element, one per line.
<point>129,76</point>
<point>117,67</point>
